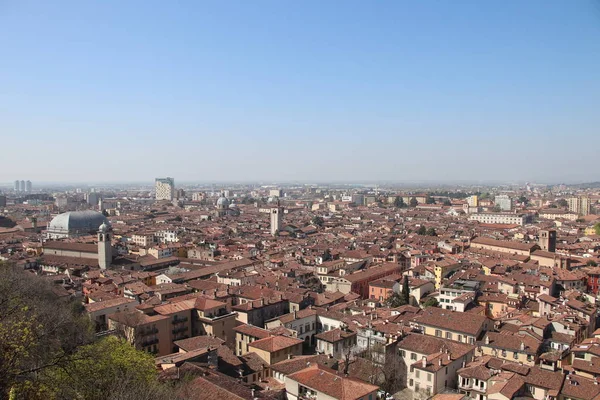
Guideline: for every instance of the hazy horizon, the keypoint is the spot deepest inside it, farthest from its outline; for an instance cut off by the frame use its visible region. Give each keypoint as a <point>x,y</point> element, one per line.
<point>311,91</point>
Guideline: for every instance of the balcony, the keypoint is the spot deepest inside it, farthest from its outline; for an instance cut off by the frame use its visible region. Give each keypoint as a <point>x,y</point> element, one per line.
<point>147,332</point>
<point>149,342</point>
<point>179,320</point>
<point>178,330</point>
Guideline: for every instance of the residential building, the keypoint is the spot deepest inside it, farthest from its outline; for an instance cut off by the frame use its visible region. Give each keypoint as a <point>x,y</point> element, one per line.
<point>164,189</point>
<point>317,382</point>
<point>432,363</point>
<point>504,202</point>
<point>500,218</point>
<point>581,205</point>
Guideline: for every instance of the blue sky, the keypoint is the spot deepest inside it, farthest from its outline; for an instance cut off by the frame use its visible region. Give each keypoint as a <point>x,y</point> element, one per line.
<point>309,90</point>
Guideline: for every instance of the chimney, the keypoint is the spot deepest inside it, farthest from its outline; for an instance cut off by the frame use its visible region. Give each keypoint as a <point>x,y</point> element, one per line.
<point>440,361</point>
<point>424,362</point>
<point>290,356</point>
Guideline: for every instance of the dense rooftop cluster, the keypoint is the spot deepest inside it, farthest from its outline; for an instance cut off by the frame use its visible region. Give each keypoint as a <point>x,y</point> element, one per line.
<point>345,294</point>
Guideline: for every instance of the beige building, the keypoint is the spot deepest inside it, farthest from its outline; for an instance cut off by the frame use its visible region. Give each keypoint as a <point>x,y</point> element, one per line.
<point>581,205</point>
<point>273,349</point>
<point>317,382</point>
<point>432,363</point>
<point>502,246</point>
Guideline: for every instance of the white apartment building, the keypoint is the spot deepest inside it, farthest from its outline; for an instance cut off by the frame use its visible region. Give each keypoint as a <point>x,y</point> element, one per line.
<point>504,202</point>
<point>165,188</point>
<point>499,218</point>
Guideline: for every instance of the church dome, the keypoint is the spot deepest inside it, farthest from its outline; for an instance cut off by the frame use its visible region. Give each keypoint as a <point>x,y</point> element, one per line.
<point>75,223</point>
<point>222,202</point>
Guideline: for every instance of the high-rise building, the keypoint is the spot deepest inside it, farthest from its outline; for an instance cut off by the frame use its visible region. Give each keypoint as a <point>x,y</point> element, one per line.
<point>580,205</point>
<point>473,201</point>
<point>28,186</point>
<point>93,198</point>
<point>503,202</point>
<point>2,200</point>
<point>17,187</point>
<point>22,186</point>
<point>165,188</point>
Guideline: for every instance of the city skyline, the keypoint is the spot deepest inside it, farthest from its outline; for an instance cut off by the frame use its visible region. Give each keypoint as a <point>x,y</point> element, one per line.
<point>305,92</point>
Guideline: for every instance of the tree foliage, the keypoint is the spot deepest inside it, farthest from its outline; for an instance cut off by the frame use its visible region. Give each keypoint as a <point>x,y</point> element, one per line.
<point>430,302</point>
<point>422,230</point>
<point>405,290</point>
<point>413,202</point>
<point>399,202</point>
<point>48,349</point>
<point>597,228</point>
<point>395,300</point>
<point>319,221</point>
<point>431,231</point>
<point>101,368</point>
<point>38,330</point>
<point>562,203</point>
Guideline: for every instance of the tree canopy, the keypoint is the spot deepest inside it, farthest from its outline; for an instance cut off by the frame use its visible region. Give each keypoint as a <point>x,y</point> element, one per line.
<point>48,349</point>
<point>413,202</point>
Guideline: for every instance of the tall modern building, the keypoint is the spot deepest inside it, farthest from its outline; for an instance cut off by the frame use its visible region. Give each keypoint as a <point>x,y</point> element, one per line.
<point>22,186</point>
<point>580,205</point>
<point>165,188</point>
<point>28,186</point>
<point>504,202</point>
<point>17,187</point>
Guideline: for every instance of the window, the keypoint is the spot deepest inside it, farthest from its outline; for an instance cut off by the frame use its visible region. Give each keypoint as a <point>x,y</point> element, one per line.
<point>402,353</point>
<point>418,374</point>
<point>449,335</point>
<point>459,338</point>
<point>413,356</point>
<point>516,355</point>
<point>410,382</point>
<point>471,341</point>
<point>438,333</point>
<point>428,377</point>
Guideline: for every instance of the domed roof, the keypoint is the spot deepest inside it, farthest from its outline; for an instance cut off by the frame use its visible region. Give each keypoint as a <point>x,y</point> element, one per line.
<point>76,223</point>
<point>222,202</point>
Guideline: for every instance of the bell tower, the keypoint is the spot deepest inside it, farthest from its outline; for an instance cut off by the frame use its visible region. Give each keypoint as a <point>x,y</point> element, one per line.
<point>104,246</point>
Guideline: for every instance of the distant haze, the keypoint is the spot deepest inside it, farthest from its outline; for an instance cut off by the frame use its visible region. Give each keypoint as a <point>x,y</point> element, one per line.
<point>349,91</point>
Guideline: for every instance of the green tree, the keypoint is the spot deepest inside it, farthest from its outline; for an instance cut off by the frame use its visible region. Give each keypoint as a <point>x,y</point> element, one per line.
<point>399,202</point>
<point>422,230</point>
<point>523,200</point>
<point>405,290</point>
<point>562,203</point>
<point>395,300</point>
<point>430,302</point>
<point>429,200</point>
<point>413,202</point>
<point>319,221</point>
<point>327,255</point>
<point>597,228</point>
<point>431,231</point>
<point>38,330</point>
<point>101,368</point>
<point>591,263</point>
<point>447,202</point>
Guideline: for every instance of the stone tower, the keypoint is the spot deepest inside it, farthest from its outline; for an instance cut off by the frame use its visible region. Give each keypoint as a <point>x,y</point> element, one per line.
<point>104,246</point>
<point>276,214</point>
<point>547,240</point>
